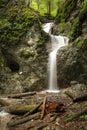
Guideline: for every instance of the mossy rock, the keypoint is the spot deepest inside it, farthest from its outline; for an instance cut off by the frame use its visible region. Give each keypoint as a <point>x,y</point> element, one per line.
<point>27,54</point>
<point>15,22</point>
<point>77,24</point>
<point>3,3</point>
<point>64,13</point>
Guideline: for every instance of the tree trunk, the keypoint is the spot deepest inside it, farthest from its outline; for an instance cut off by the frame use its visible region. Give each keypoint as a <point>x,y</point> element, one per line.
<point>49,7</point>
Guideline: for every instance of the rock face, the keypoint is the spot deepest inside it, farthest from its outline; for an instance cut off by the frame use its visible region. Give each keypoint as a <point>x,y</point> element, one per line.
<point>30,59</point>
<point>23,62</point>
<point>71,66</point>
<point>71,21</point>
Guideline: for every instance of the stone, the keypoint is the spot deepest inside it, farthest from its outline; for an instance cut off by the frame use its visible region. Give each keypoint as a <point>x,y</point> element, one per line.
<point>71,66</point>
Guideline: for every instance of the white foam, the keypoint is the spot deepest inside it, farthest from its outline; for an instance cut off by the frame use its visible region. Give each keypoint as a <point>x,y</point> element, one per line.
<point>3,113</point>
<point>52,91</point>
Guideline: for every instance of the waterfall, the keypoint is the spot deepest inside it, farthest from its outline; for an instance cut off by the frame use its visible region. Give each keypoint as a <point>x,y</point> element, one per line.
<point>56,42</point>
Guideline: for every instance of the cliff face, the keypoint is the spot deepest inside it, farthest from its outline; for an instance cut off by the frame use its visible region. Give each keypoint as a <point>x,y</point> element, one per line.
<point>71,21</point>
<point>23,53</point>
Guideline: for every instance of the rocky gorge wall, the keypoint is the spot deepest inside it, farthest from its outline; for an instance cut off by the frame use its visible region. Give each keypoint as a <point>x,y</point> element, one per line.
<point>23,52</point>
<point>71,21</point>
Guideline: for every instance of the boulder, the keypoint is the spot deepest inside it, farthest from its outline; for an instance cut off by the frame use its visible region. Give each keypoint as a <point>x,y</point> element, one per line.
<point>70,66</point>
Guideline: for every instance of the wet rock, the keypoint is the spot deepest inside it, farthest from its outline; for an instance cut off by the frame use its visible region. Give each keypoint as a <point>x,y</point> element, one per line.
<point>70,66</point>
<point>28,61</point>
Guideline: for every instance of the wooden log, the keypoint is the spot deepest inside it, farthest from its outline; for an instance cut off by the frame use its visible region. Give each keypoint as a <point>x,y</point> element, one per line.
<point>43,107</point>
<point>33,110</point>
<point>21,95</point>
<point>19,109</point>
<point>23,120</point>
<point>3,102</point>
<point>82,97</point>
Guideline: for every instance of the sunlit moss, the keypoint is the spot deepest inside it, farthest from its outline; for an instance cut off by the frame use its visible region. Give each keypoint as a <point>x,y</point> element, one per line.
<point>15,22</point>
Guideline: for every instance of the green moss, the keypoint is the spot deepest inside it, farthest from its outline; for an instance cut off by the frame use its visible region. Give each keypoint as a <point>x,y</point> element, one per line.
<point>3,3</point>
<point>80,42</point>
<point>83,117</point>
<point>27,54</point>
<point>65,10</point>
<point>15,23</point>
<point>77,24</point>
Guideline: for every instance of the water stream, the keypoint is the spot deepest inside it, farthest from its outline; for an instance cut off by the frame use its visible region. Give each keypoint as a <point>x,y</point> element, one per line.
<point>56,42</point>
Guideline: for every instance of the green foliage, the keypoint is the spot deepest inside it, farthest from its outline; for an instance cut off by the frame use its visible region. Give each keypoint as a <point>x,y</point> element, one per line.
<point>14,23</point>
<point>64,13</point>
<point>3,3</point>
<point>43,6</point>
<point>80,42</point>
<point>76,26</point>
<point>62,27</point>
<point>83,117</point>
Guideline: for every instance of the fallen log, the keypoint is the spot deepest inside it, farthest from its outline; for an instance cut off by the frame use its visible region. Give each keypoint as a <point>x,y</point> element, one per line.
<point>23,120</point>
<point>19,109</point>
<point>43,107</point>
<point>82,97</point>
<point>33,110</point>
<point>3,102</point>
<point>21,95</point>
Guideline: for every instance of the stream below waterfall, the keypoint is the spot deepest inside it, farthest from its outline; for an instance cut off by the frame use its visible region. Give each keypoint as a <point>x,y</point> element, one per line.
<point>56,43</point>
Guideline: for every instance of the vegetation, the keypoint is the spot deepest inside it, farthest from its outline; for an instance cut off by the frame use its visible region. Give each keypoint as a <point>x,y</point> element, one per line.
<point>64,13</point>
<point>3,3</point>
<point>27,54</point>
<point>15,22</point>
<point>80,42</point>
<point>45,6</point>
<point>77,24</point>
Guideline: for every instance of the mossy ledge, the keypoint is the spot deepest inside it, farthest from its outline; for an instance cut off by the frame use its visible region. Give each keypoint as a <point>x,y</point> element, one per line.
<point>15,21</point>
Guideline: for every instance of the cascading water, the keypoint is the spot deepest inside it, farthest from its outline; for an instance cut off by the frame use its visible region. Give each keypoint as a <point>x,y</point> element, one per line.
<point>57,42</point>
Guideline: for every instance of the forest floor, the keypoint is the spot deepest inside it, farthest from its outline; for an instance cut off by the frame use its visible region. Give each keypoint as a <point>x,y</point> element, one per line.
<point>58,112</point>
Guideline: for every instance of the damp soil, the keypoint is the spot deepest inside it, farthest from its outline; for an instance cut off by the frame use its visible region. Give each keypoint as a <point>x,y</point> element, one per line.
<point>60,121</point>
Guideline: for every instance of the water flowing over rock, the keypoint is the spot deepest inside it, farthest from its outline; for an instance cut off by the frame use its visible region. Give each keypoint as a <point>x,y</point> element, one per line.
<point>56,43</point>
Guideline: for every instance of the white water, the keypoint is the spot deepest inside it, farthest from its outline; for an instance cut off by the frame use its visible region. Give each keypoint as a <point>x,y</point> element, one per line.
<point>3,113</point>
<point>57,42</point>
